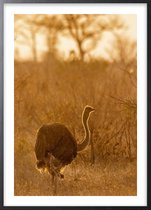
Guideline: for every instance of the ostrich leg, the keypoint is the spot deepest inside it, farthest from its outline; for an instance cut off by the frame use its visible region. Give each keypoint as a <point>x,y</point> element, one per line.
<point>54,180</point>
<point>54,171</point>
<point>54,183</point>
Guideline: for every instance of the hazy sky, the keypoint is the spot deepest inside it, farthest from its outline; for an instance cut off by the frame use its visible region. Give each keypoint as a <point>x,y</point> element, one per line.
<point>131,21</point>
<point>66,44</point>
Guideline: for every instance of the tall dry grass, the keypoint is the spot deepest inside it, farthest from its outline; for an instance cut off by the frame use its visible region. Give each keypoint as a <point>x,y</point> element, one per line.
<point>57,91</point>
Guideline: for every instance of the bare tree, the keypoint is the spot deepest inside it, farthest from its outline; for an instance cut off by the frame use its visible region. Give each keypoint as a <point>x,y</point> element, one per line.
<point>86,30</point>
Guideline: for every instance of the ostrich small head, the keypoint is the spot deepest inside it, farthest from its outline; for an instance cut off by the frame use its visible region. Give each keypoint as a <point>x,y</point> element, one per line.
<point>87,110</point>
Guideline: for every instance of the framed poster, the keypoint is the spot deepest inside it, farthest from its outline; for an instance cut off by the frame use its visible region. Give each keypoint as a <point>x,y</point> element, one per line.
<point>74,104</point>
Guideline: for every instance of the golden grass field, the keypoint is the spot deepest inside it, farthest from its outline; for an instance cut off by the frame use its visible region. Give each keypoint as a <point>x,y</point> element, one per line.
<point>57,91</point>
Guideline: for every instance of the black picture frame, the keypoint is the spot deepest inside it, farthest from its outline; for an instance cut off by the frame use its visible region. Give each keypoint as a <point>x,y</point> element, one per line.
<point>2,161</point>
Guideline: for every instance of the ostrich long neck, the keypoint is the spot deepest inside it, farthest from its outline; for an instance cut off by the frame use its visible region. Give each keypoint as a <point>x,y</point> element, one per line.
<point>81,146</point>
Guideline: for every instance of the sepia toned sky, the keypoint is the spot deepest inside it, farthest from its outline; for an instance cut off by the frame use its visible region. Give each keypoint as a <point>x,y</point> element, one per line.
<point>131,21</point>
<point>65,45</point>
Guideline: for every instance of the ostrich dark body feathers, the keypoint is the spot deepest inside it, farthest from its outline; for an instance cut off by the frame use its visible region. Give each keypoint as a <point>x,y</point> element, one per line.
<point>55,139</point>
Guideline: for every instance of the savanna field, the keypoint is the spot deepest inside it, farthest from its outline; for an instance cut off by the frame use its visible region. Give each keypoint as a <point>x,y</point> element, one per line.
<point>57,91</point>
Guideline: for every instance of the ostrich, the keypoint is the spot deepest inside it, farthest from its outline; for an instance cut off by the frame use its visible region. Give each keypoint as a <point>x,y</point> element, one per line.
<point>56,147</point>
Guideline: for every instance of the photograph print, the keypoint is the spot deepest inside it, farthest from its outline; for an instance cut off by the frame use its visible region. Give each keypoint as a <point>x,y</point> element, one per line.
<point>75,105</point>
